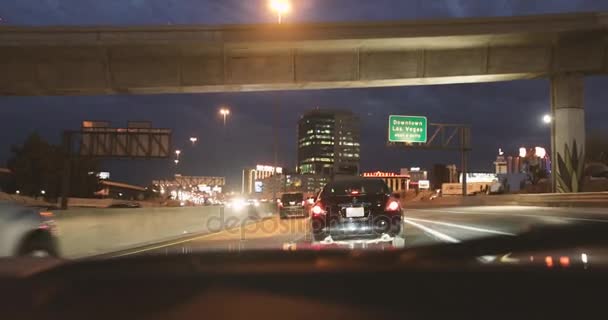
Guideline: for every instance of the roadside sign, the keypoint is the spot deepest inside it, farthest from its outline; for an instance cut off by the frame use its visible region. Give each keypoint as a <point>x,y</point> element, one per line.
<point>424,184</point>
<point>412,129</point>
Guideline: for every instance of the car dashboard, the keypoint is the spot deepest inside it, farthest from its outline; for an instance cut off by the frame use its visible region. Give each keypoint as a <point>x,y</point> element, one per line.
<point>306,284</point>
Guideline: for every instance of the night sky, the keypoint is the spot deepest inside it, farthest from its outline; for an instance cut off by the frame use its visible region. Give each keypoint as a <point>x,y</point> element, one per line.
<point>503,114</point>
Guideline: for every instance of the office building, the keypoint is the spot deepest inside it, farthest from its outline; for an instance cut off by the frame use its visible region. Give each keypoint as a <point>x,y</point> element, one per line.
<point>328,143</point>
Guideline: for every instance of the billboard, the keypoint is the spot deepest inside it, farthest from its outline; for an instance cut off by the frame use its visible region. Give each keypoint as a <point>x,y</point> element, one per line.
<point>424,184</point>
<point>258,187</point>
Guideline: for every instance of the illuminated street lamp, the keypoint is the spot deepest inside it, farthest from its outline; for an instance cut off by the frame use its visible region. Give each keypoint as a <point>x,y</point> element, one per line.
<point>224,112</point>
<point>281,7</point>
<point>176,161</point>
<point>549,120</point>
<point>193,140</point>
<point>177,153</point>
<point>42,192</point>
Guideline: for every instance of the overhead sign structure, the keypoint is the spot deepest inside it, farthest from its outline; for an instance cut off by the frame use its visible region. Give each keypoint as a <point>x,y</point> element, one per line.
<point>125,142</point>
<point>411,133</point>
<point>191,181</point>
<point>410,129</point>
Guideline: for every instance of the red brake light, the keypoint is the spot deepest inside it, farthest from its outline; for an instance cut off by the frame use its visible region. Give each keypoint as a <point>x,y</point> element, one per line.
<point>46,214</point>
<point>392,206</point>
<point>317,210</point>
<point>354,192</point>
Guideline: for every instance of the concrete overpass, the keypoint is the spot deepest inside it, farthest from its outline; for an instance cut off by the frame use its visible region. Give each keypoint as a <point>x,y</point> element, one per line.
<point>187,59</point>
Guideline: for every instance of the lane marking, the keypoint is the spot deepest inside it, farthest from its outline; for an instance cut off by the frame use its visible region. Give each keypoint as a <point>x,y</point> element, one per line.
<point>511,214</point>
<point>229,231</point>
<point>465,227</point>
<point>441,236</point>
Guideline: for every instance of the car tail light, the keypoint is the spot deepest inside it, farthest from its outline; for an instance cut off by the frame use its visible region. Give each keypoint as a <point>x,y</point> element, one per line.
<point>317,210</point>
<point>46,214</point>
<point>393,205</point>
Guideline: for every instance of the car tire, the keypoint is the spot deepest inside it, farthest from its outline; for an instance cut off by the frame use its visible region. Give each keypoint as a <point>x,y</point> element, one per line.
<point>395,228</point>
<point>395,231</point>
<point>319,236</point>
<point>38,245</point>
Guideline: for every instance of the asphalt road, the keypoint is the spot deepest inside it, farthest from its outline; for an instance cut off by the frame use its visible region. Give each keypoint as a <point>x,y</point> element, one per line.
<point>421,227</point>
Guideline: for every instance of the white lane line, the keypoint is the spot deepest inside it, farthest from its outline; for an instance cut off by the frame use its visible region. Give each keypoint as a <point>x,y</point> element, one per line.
<point>441,236</point>
<point>511,214</point>
<point>207,235</point>
<point>465,227</point>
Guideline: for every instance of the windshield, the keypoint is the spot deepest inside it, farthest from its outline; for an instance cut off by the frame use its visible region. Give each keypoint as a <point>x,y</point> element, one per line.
<point>348,188</point>
<point>194,126</point>
<point>290,197</point>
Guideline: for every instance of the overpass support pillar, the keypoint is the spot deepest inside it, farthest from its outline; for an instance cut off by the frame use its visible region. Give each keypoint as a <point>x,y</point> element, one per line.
<point>568,132</point>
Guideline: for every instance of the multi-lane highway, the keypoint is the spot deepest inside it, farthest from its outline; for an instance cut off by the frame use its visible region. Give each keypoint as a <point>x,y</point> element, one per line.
<point>421,227</point>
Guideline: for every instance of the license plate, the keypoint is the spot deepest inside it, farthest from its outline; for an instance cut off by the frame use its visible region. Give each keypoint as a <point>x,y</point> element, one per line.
<point>355,212</point>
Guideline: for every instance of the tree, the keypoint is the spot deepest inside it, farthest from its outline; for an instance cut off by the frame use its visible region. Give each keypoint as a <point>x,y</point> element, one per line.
<point>38,165</point>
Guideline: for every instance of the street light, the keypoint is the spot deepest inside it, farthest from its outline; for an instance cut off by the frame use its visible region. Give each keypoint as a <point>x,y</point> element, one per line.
<point>547,119</point>
<point>224,112</point>
<point>42,192</point>
<point>193,140</point>
<point>178,152</point>
<point>281,7</point>
<point>176,161</point>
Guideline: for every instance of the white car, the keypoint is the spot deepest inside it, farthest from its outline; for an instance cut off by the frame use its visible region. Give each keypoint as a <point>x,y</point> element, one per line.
<point>26,231</point>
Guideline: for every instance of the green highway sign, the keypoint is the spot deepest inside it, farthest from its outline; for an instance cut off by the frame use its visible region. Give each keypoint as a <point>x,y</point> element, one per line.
<point>410,129</point>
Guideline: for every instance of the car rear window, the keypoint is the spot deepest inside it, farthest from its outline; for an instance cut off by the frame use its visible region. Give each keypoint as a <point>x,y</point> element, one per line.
<point>292,197</point>
<point>342,188</point>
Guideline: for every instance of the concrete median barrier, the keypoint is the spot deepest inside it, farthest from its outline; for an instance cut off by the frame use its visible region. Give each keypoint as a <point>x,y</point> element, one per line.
<point>586,199</point>
<point>88,232</point>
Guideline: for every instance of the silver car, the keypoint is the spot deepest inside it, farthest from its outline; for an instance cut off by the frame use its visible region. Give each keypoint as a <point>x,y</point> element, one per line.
<point>26,231</point>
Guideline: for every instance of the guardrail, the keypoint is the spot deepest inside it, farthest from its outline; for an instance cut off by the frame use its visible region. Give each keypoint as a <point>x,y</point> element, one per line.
<point>586,199</point>
<point>565,199</point>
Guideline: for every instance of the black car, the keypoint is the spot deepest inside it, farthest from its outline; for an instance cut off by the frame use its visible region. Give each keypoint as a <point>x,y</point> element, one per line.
<point>354,208</point>
<point>292,205</point>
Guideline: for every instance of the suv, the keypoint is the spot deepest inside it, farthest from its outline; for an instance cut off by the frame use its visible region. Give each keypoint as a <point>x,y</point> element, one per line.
<point>358,207</point>
<point>292,205</point>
